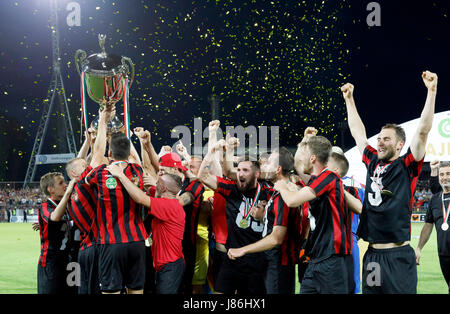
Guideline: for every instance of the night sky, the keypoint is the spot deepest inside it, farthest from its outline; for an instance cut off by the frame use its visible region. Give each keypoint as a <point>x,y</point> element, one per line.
<point>272,63</point>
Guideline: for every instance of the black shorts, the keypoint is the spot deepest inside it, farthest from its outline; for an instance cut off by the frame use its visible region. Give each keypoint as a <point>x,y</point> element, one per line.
<point>333,275</point>
<point>51,279</point>
<point>168,278</point>
<point>231,278</point>
<point>189,253</point>
<point>218,259</point>
<point>121,265</point>
<point>88,260</point>
<point>389,271</point>
<point>279,279</point>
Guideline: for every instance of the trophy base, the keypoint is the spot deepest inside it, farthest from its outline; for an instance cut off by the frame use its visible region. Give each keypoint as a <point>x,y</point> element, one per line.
<point>113,126</point>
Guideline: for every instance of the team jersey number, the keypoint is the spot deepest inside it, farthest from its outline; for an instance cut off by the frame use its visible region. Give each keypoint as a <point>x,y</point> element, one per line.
<point>255,225</point>
<point>375,196</point>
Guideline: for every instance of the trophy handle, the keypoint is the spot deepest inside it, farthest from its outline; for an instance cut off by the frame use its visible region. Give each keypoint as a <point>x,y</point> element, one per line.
<point>79,60</point>
<point>126,59</point>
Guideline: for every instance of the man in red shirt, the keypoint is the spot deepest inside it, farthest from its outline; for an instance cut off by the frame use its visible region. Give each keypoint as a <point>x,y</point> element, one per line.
<point>167,227</point>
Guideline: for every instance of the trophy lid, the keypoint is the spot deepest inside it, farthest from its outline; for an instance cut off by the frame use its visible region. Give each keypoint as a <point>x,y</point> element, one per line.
<point>103,64</point>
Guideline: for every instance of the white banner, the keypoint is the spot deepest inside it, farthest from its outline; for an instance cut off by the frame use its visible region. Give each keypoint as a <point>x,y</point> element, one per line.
<point>54,158</point>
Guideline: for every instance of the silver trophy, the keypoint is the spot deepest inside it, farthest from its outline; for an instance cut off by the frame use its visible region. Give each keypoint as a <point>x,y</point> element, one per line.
<point>105,79</point>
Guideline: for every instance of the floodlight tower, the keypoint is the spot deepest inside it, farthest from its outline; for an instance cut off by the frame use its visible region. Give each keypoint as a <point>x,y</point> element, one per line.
<point>56,99</point>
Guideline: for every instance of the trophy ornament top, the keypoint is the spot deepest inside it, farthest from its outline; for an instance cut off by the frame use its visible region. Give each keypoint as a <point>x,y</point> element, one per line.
<point>101,42</point>
<point>103,64</point>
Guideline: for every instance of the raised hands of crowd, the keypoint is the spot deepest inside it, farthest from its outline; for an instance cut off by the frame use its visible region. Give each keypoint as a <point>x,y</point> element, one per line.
<point>143,135</point>
<point>182,151</point>
<point>430,80</point>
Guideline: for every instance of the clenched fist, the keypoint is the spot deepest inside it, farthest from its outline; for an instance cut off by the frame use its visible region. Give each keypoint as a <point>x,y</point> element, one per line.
<point>310,131</point>
<point>232,142</point>
<point>347,90</point>
<point>181,149</point>
<point>143,136</point>
<point>218,146</point>
<point>214,125</point>
<point>430,79</point>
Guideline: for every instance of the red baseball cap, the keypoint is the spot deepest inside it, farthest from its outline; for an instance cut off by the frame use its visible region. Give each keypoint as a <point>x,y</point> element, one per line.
<point>172,160</point>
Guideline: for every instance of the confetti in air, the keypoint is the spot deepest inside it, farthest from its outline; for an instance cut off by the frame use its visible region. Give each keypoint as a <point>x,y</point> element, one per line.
<point>273,63</point>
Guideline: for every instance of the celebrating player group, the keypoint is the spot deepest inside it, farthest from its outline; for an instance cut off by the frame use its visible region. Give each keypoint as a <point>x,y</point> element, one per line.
<point>171,223</point>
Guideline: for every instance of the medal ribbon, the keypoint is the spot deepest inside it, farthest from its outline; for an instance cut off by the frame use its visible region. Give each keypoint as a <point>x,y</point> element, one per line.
<point>126,109</point>
<point>377,173</point>
<point>268,203</point>
<point>247,212</point>
<point>53,202</point>
<point>56,205</point>
<point>83,104</point>
<point>119,162</point>
<point>445,214</point>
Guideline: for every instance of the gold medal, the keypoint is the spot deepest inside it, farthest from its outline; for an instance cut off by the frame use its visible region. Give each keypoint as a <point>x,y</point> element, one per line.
<point>243,223</point>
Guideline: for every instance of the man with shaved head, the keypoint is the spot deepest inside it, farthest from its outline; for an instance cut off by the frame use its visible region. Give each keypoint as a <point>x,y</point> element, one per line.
<point>167,227</point>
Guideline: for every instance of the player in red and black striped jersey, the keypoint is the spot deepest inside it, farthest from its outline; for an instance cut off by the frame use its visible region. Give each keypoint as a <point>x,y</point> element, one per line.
<point>220,232</point>
<point>281,241</point>
<point>118,216</point>
<point>339,164</point>
<point>245,274</point>
<point>167,227</point>
<point>191,197</point>
<point>385,221</point>
<point>330,235</point>
<point>121,233</point>
<point>54,232</point>
<point>82,208</point>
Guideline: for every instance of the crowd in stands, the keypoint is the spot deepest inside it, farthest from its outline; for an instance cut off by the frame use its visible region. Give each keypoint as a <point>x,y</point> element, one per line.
<point>16,200</point>
<point>422,196</point>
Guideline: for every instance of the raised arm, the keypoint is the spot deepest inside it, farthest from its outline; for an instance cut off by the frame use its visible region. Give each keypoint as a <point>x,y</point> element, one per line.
<point>98,155</point>
<point>59,211</point>
<point>85,147</point>
<point>419,140</point>
<point>182,151</point>
<point>307,134</point>
<point>216,167</point>
<point>228,164</point>
<point>134,155</point>
<point>204,174</point>
<point>144,139</point>
<point>355,123</point>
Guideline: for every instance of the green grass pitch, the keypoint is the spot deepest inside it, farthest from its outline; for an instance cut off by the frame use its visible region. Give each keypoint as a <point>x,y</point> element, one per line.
<point>19,253</point>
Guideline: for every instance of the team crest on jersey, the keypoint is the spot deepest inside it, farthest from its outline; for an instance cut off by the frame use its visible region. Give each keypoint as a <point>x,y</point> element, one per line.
<point>75,196</point>
<point>111,183</point>
<point>135,180</point>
